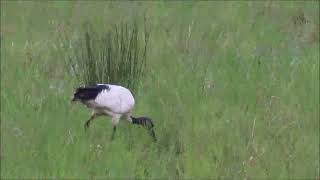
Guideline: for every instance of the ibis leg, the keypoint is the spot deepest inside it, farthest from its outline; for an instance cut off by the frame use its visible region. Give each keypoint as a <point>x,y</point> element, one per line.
<point>113,132</point>
<point>87,124</point>
<point>115,121</point>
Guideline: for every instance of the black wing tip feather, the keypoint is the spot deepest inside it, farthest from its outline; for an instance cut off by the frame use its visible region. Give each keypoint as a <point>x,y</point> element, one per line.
<point>84,93</point>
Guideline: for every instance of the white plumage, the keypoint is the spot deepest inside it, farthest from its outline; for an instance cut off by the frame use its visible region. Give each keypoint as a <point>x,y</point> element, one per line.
<point>118,99</point>
<point>114,101</point>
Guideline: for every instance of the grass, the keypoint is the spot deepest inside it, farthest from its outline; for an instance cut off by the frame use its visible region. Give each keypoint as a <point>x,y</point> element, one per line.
<point>233,88</point>
<point>116,56</point>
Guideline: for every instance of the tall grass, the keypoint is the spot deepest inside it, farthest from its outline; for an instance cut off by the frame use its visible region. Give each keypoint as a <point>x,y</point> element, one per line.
<point>260,120</point>
<point>117,55</point>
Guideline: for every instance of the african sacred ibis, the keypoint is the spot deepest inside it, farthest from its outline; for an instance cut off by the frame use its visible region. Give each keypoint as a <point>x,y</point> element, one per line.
<point>111,100</point>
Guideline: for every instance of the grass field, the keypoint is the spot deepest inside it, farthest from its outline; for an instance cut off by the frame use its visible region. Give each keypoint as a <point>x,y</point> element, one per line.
<point>233,88</point>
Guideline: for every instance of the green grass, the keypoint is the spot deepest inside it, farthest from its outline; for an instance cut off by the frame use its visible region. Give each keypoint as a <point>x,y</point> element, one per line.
<point>116,56</point>
<point>233,88</point>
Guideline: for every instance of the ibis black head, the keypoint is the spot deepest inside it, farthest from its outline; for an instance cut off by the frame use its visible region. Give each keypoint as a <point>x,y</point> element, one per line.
<point>146,122</point>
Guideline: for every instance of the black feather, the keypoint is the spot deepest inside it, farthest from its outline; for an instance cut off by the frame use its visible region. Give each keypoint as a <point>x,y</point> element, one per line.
<point>89,92</point>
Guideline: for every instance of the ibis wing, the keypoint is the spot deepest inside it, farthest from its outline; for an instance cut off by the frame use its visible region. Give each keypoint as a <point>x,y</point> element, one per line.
<point>117,99</point>
<point>108,100</point>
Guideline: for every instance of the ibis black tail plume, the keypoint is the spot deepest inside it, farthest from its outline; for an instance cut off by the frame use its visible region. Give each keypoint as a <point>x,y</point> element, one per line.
<point>89,92</point>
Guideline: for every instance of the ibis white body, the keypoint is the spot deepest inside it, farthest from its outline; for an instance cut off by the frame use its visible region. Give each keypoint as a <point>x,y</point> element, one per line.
<point>117,100</point>
<point>110,100</point>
